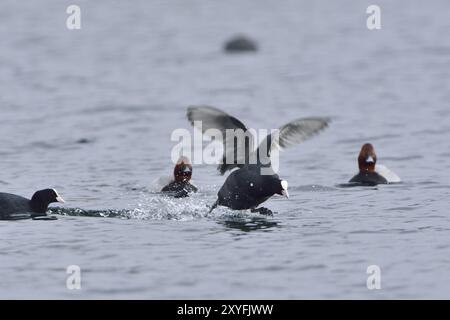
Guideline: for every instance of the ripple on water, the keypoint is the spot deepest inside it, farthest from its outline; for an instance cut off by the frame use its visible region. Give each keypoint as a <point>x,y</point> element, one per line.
<point>373,138</point>
<point>409,208</point>
<point>312,188</point>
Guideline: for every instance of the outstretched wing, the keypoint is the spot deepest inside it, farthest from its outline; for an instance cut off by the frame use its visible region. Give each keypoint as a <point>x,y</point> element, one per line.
<point>213,118</point>
<point>292,134</point>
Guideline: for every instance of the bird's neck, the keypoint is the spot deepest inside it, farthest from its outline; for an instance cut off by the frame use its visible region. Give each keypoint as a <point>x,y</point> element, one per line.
<point>366,168</point>
<point>38,206</point>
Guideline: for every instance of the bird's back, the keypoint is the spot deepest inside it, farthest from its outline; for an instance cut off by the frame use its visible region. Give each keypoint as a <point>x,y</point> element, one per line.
<point>13,207</point>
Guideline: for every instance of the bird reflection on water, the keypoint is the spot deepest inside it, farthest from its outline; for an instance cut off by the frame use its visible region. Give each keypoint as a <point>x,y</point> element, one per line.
<point>248,224</point>
<point>240,222</point>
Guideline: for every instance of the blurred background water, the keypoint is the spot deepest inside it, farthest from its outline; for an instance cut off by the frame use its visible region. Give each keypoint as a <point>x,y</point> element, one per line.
<point>122,84</point>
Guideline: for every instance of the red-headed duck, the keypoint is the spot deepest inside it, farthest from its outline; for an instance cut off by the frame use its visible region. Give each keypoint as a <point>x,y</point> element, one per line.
<point>182,173</point>
<point>370,173</point>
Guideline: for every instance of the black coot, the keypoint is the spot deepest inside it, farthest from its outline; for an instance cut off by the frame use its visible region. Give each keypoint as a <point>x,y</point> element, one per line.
<point>14,207</point>
<point>255,181</point>
<point>247,188</point>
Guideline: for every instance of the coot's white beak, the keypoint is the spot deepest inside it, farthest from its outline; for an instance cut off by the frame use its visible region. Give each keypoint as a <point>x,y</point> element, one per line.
<point>60,199</point>
<point>284,191</point>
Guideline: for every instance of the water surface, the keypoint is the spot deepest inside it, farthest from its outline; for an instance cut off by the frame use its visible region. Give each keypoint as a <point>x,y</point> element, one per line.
<point>121,85</point>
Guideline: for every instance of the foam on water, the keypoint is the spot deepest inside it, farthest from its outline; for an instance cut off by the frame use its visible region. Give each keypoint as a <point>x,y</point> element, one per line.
<point>157,206</point>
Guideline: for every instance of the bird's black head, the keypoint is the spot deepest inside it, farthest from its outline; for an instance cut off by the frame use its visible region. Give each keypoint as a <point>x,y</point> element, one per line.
<point>41,199</point>
<point>270,185</point>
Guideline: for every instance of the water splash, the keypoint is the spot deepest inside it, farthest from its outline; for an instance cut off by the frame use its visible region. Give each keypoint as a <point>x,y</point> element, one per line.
<point>160,207</point>
<point>150,206</point>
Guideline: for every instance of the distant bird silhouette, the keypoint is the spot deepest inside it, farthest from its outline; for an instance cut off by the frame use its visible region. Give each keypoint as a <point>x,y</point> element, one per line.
<point>240,44</point>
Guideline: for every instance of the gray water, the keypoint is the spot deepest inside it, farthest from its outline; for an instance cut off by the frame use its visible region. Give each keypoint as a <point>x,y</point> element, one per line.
<point>123,82</point>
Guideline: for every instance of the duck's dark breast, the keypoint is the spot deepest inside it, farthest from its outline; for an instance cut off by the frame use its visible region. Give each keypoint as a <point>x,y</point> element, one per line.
<point>369,178</point>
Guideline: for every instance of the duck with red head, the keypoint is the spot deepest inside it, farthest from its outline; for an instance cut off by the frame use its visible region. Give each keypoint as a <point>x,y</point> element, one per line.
<point>180,186</point>
<point>371,174</point>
